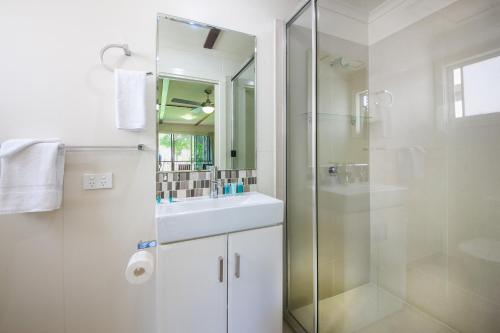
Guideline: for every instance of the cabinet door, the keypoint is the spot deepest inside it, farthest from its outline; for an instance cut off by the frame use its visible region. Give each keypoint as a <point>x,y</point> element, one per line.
<point>193,286</point>
<point>255,281</point>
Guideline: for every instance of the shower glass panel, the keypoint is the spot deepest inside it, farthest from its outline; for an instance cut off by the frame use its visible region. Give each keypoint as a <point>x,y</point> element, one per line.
<point>347,299</point>
<point>407,154</point>
<point>299,193</point>
<point>434,149</point>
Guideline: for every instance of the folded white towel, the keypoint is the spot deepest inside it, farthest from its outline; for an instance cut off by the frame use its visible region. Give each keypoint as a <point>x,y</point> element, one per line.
<point>31,175</point>
<point>130,99</point>
<point>411,162</point>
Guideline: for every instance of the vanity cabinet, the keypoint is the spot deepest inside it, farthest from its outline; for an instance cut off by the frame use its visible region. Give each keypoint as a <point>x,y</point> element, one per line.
<point>193,286</point>
<point>255,281</point>
<point>230,283</point>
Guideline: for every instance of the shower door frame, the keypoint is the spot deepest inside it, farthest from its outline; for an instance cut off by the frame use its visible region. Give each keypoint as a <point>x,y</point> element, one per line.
<point>289,317</point>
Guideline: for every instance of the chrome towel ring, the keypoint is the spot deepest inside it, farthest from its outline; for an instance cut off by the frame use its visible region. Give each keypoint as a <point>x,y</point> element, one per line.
<point>126,51</point>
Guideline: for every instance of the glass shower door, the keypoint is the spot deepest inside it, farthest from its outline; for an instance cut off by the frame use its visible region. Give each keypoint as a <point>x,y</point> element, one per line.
<point>299,172</point>
<point>434,141</point>
<point>408,201</point>
<point>347,299</point>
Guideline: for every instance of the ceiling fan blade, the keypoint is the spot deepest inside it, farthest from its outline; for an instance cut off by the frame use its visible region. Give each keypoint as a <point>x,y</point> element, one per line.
<point>185,101</point>
<point>183,106</point>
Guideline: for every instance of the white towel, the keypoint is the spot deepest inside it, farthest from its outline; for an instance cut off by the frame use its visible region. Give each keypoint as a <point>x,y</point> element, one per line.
<point>31,175</point>
<point>411,162</point>
<point>130,99</point>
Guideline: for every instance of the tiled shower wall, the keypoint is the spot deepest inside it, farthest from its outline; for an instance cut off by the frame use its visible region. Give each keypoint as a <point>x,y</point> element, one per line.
<point>186,184</point>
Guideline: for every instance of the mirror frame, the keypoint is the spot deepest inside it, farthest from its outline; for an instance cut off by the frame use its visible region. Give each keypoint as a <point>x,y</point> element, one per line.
<point>158,75</point>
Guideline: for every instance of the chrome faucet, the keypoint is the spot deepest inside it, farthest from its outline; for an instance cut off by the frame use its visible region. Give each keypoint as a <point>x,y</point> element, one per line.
<point>215,184</point>
<point>333,171</point>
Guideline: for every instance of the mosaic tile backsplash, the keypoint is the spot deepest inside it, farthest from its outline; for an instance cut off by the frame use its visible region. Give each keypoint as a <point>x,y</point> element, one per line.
<point>186,184</point>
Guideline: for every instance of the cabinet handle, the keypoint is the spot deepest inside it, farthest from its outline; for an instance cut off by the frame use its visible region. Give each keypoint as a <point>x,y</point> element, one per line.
<point>237,265</point>
<point>221,269</point>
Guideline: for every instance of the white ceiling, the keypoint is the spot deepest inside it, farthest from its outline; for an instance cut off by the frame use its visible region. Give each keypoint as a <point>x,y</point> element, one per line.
<point>369,21</point>
<point>364,5</point>
<point>182,35</point>
<point>189,90</point>
<point>358,9</point>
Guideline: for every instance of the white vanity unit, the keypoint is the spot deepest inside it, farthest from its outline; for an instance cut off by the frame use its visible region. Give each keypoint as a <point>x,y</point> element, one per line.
<point>220,265</point>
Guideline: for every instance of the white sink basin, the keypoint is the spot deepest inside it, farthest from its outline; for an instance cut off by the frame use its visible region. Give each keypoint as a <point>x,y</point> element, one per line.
<point>194,218</point>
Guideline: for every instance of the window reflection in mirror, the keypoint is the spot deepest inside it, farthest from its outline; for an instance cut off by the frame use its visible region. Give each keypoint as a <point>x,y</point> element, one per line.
<point>205,96</point>
<point>185,124</point>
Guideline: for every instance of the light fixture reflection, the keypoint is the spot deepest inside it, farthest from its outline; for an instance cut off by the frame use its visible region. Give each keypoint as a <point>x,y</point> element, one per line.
<point>208,106</point>
<point>208,109</point>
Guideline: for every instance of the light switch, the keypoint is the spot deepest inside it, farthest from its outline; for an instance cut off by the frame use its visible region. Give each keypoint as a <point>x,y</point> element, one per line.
<point>97,181</point>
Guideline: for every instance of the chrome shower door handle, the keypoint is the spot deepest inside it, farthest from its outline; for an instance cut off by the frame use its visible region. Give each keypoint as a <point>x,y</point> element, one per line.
<point>221,269</point>
<point>237,265</point>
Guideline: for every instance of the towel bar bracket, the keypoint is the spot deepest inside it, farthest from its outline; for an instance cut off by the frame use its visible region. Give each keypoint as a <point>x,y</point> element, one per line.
<point>146,245</point>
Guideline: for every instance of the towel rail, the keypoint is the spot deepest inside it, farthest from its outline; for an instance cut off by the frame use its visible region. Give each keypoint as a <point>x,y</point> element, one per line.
<point>126,51</point>
<point>139,147</point>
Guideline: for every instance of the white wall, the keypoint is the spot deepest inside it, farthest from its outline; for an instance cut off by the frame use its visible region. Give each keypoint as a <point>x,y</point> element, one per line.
<point>63,271</point>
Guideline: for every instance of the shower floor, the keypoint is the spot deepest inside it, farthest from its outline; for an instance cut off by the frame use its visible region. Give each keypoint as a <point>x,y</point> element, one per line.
<point>369,309</point>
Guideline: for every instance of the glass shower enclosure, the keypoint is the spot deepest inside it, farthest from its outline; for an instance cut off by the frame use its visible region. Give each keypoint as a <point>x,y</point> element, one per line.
<point>392,154</point>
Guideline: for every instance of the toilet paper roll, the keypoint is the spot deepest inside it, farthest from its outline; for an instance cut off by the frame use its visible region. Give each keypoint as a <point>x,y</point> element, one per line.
<point>140,267</point>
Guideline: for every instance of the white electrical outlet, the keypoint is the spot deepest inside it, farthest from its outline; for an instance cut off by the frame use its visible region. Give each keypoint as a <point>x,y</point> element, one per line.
<point>97,181</point>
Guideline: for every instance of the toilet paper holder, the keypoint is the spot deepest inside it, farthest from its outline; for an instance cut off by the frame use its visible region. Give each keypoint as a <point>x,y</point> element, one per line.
<point>146,245</point>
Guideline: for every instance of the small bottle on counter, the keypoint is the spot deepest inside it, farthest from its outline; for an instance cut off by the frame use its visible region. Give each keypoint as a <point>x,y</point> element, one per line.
<point>227,189</point>
<point>240,188</point>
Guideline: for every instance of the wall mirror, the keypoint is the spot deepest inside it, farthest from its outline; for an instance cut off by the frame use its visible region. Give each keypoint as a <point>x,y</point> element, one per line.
<point>205,96</point>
